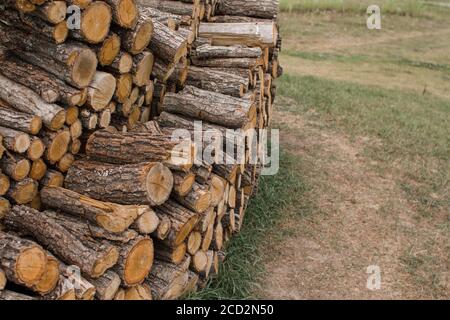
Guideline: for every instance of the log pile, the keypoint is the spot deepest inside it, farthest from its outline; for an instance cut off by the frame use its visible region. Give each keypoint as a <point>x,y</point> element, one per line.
<point>97,200</point>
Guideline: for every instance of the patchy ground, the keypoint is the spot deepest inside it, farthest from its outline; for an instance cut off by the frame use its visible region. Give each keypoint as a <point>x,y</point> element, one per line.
<point>361,219</point>
<point>353,111</point>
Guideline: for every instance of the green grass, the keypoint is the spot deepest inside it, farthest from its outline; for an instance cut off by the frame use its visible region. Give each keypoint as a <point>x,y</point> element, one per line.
<point>413,129</point>
<point>242,267</point>
<point>397,7</point>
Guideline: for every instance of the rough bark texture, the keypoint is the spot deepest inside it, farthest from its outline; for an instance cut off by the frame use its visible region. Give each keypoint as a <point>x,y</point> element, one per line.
<point>55,237</point>
<point>126,184</point>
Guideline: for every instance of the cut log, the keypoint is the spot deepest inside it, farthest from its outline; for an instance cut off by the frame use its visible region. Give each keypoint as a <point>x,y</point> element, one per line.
<point>198,198</point>
<point>60,241</point>
<point>167,280</point>
<point>72,62</point>
<point>23,261</point>
<point>125,12</point>
<point>194,242</point>
<point>126,184</point>
<point>53,11</point>
<point>182,221</point>
<point>199,261</point>
<point>36,149</point>
<point>52,178</point>
<point>206,51</point>
<point>2,280</point>
<point>64,290</point>
<point>50,278</point>
<point>163,229</point>
<point>15,141</point>
<point>136,40</point>
<point>142,68</point>
<point>25,100</point>
<point>209,106</point>
<point>146,223</point>
<point>95,23</point>
<point>57,144</point>
<point>108,50</point>
<point>84,290</point>
<point>106,286</point>
<point>14,296</point>
<point>183,182</point>
<point>121,64</point>
<point>38,170</point>
<point>15,166</point>
<point>135,261</point>
<point>24,191</point>
<point>110,216</point>
<point>217,81</point>
<point>5,206</point>
<point>139,292</point>
<point>266,9</point>
<point>253,34</point>
<point>101,90</point>
<point>4,183</point>
<point>167,44</point>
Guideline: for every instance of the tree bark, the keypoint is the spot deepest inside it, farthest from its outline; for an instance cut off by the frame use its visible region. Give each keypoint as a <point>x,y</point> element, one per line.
<point>126,184</point>
<point>25,100</point>
<point>60,241</point>
<point>110,216</point>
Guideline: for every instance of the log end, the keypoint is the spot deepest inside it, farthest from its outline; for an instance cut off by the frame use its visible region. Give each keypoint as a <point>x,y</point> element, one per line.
<point>50,278</point>
<point>59,146</point>
<point>21,169</point>
<point>31,265</point>
<point>101,90</point>
<point>139,262</point>
<point>5,206</point>
<point>142,38</point>
<point>159,184</point>
<point>127,13</point>
<point>108,260</point>
<point>35,125</point>
<point>58,120</point>
<point>96,21</point>
<point>84,68</point>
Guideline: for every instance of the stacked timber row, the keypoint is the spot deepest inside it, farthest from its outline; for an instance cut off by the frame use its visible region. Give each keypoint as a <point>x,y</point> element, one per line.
<point>97,198</point>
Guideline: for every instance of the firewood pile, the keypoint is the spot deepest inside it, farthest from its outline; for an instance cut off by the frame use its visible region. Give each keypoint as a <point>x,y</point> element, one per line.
<point>96,201</point>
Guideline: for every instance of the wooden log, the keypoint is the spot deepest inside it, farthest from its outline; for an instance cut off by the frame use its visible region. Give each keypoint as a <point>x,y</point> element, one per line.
<point>194,242</point>
<point>173,254</point>
<point>142,68</point>
<point>50,278</point>
<point>207,51</point>
<point>72,62</point>
<point>36,149</point>
<point>100,91</point>
<point>266,9</point>
<point>53,11</point>
<point>2,280</point>
<point>15,141</point>
<point>84,289</point>
<point>139,292</point>
<point>136,40</point>
<point>106,286</point>
<point>146,223</point>
<point>108,50</point>
<point>182,221</point>
<point>57,33</point>
<point>52,178</point>
<point>64,290</point>
<point>181,8</point>
<point>135,261</point>
<point>4,183</point>
<point>163,229</point>
<point>126,184</point>
<point>5,206</point>
<point>182,182</point>
<point>144,146</point>
<point>14,296</point>
<point>125,12</point>
<point>95,23</point>
<point>15,166</point>
<point>60,241</point>
<point>198,198</point>
<point>110,216</point>
<point>199,262</point>
<point>57,144</point>
<point>217,81</point>
<point>167,44</point>
<point>38,170</point>
<point>21,5</point>
<point>167,280</point>
<point>121,64</point>
<point>23,192</point>
<point>27,101</point>
<point>209,106</point>
<point>252,34</point>
<point>23,261</point>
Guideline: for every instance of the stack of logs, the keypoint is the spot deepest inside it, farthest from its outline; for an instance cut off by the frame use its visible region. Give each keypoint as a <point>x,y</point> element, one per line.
<point>93,202</point>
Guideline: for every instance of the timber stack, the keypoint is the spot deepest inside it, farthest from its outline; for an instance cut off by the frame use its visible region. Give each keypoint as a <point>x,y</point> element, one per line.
<point>97,198</point>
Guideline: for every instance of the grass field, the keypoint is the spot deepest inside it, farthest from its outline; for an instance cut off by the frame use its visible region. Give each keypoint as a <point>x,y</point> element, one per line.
<point>365,118</point>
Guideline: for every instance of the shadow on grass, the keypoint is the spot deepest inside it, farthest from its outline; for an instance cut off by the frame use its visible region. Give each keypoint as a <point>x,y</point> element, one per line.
<point>242,267</point>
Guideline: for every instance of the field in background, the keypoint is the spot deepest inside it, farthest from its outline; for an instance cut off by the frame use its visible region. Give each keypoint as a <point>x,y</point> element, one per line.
<point>364,118</point>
